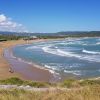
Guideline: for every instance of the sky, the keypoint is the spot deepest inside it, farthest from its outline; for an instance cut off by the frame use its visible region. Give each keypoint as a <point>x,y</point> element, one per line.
<point>49,15</point>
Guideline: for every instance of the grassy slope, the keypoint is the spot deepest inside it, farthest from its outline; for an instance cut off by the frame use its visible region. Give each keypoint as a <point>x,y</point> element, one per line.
<point>69,83</point>
<point>90,90</point>
<point>87,93</point>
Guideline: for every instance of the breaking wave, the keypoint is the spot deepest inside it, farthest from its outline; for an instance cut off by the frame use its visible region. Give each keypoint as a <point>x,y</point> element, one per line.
<point>80,57</point>
<point>59,52</point>
<point>78,73</point>
<point>90,52</point>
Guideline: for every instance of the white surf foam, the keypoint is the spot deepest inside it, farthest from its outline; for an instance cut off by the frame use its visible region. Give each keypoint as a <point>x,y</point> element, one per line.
<point>98,43</point>
<point>51,70</point>
<point>59,52</point>
<point>35,46</point>
<point>68,54</point>
<point>78,73</point>
<point>47,49</point>
<point>47,66</point>
<point>90,52</point>
<point>32,47</point>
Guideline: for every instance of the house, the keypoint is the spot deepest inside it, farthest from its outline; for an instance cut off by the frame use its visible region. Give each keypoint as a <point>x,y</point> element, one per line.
<point>31,38</point>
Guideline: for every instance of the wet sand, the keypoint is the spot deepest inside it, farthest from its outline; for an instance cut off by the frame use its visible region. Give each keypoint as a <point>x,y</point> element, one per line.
<point>20,69</point>
<point>28,71</point>
<point>4,65</point>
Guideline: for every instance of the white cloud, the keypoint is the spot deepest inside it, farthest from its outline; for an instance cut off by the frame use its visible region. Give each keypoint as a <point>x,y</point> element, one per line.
<point>6,24</point>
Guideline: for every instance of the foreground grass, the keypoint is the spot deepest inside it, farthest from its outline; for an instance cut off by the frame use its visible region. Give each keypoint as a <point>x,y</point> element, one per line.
<point>75,90</point>
<point>86,93</point>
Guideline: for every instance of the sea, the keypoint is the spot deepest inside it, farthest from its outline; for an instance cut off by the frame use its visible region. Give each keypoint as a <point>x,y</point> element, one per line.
<point>70,57</point>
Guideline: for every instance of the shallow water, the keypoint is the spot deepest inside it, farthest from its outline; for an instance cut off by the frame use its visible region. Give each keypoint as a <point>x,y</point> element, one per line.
<point>73,57</point>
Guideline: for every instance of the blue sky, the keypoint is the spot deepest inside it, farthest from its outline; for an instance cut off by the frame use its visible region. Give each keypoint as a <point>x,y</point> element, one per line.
<point>50,15</point>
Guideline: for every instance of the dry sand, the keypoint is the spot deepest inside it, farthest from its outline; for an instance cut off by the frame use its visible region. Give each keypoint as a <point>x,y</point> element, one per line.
<point>4,65</point>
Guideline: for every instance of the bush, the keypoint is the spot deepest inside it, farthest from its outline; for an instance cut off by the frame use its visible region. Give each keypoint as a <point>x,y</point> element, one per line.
<point>90,82</point>
<point>68,83</point>
<point>17,81</point>
<point>14,81</point>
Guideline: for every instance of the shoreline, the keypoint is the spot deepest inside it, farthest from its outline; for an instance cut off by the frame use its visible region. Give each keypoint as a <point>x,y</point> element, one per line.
<point>4,64</point>
<point>55,76</point>
<point>26,70</point>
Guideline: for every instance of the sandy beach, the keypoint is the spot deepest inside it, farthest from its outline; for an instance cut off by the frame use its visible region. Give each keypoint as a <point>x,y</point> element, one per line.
<point>22,70</point>
<point>4,65</point>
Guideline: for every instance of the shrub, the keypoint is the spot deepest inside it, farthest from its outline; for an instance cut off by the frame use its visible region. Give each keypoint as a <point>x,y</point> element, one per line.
<point>17,81</point>
<point>13,80</point>
<point>68,83</point>
<point>90,82</point>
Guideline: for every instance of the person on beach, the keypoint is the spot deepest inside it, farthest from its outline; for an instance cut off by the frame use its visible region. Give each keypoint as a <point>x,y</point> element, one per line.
<point>11,70</point>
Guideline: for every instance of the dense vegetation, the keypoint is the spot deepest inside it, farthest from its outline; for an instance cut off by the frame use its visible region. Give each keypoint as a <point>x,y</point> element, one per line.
<point>16,36</point>
<point>69,83</point>
<point>9,37</point>
<point>19,82</point>
<point>71,34</point>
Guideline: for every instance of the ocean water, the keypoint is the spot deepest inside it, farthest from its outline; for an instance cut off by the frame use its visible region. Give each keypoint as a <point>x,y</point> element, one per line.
<point>77,57</point>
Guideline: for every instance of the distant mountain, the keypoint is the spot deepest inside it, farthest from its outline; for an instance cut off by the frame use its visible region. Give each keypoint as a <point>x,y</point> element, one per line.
<point>63,33</point>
